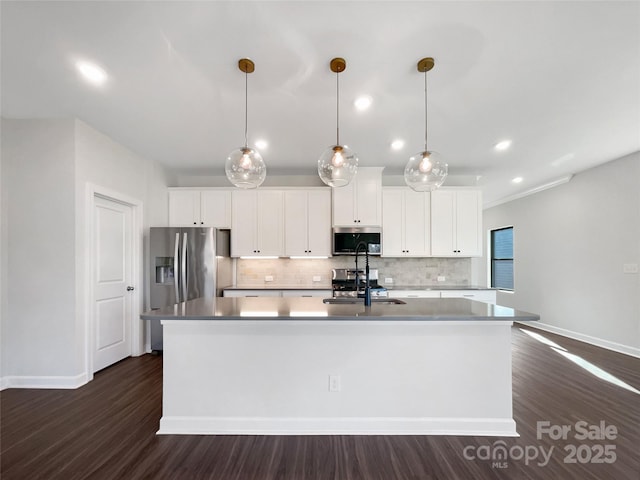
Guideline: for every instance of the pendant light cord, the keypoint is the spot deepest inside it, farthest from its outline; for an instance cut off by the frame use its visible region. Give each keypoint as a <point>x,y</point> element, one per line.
<point>337,108</point>
<point>425,111</point>
<point>246,109</point>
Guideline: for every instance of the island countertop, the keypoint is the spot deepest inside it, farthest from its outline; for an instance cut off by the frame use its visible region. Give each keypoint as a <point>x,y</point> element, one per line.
<point>313,309</point>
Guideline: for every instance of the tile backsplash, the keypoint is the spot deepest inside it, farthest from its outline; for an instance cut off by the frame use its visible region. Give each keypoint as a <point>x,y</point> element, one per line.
<point>300,272</point>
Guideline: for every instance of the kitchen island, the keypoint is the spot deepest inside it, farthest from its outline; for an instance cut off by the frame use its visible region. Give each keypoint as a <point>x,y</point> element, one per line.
<point>300,366</point>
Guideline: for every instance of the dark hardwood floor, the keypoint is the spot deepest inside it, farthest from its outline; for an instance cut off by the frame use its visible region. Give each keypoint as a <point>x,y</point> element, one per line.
<point>106,430</point>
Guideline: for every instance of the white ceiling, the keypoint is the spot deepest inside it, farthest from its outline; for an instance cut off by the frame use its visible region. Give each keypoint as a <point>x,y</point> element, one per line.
<point>560,79</point>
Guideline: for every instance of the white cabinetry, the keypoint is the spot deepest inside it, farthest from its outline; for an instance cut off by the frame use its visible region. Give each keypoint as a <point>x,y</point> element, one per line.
<point>456,223</point>
<point>257,223</point>
<point>487,296</point>
<point>405,222</point>
<point>202,208</point>
<point>360,202</point>
<point>414,293</point>
<point>257,292</point>
<point>307,222</point>
<point>307,293</point>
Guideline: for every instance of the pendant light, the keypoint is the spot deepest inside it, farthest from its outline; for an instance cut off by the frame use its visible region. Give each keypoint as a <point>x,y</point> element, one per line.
<point>338,163</point>
<point>425,171</point>
<point>244,166</point>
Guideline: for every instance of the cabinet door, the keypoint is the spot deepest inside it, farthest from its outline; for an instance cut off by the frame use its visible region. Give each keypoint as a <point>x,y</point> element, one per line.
<point>270,223</point>
<point>344,213</point>
<point>243,223</point>
<point>414,293</point>
<point>392,223</point>
<point>184,208</point>
<point>442,223</point>
<point>215,208</point>
<point>368,204</point>
<point>416,223</point>
<point>296,223</point>
<point>469,223</point>
<point>319,222</point>
<point>486,296</point>
<point>307,293</point>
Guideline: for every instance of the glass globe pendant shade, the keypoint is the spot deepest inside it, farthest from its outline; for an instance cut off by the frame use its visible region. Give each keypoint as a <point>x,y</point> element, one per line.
<point>337,165</point>
<point>245,168</point>
<point>425,171</point>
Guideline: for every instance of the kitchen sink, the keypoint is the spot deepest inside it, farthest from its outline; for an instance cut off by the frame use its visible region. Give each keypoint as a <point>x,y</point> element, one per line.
<point>356,301</point>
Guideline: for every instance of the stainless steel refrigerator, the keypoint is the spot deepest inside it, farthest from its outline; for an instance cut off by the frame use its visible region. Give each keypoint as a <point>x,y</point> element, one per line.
<point>186,263</point>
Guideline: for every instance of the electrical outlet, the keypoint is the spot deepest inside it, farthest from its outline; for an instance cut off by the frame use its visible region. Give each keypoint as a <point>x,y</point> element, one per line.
<point>630,268</point>
<point>388,280</point>
<point>317,278</point>
<point>334,383</point>
<point>268,278</point>
<point>441,278</point>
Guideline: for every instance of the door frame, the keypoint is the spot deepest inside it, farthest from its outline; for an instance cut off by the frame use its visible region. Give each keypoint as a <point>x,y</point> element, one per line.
<point>94,191</point>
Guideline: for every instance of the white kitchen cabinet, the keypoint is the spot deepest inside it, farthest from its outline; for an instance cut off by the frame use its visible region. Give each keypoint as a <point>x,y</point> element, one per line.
<point>263,292</point>
<point>360,202</point>
<point>456,222</point>
<point>308,293</point>
<point>487,296</point>
<point>414,293</point>
<point>307,222</point>
<point>405,222</point>
<point>201,208</point>
<point>252,293</point>
<point>257,223</point>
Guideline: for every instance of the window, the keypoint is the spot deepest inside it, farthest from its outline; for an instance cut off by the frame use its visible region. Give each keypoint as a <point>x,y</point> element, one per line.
<point>502,258</point>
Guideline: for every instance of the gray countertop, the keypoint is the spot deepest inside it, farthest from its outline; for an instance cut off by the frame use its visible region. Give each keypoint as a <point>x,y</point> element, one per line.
<point>313,309</point>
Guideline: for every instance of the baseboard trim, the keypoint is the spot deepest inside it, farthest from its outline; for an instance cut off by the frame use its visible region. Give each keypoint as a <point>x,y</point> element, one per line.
<point>49,382</point>
<point>491,427</point>
<point>598,342</point>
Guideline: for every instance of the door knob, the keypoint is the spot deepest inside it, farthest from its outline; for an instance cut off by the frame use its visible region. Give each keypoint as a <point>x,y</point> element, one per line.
<point>130,288</point>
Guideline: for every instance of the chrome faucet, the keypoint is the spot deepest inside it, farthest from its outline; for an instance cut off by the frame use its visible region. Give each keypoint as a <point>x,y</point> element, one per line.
<point>367,287</point>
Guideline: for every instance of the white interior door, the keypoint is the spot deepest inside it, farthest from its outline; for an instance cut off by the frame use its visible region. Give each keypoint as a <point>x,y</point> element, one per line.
<point>112,278</point>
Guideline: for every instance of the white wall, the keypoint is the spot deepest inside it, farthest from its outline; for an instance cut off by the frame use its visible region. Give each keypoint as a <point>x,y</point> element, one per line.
<point>570,244</point>
<point>46,165</point>
<point>38,255</point>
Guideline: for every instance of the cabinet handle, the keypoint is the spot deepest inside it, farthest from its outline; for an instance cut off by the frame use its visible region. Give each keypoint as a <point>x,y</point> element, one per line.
<point>201,223</point>
<point>195,223</point>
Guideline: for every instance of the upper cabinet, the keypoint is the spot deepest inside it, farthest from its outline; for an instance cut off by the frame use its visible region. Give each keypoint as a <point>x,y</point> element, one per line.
<point>307,222</point>
<point>202,208</point>
<point>456,222</point>
<point>257,223</point>
<point>360,202</point>
<point>405,222</point>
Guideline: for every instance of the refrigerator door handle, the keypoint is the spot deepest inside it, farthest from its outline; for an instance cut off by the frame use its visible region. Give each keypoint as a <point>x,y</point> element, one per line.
<point>183,269</point>
<point>176,267</point>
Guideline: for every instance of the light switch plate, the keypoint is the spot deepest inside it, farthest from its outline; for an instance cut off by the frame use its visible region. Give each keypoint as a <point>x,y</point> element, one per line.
<point>268,278</point>
<point>317,278</point>
<point>441,278</point>
<point>630,268</point>
<point>388,280</point>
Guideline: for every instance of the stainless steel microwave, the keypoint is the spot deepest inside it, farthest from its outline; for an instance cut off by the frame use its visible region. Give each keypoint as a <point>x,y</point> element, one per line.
<point>347,239</point>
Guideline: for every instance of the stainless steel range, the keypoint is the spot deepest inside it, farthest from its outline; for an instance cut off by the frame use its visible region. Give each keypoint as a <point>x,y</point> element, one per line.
<point>346,282</point>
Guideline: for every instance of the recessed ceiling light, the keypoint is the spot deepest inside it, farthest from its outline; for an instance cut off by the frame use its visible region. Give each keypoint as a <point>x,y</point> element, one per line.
<point>397,144</point>
<point>92,72</point>
<point>261,144</point>
<point>362,103</point>
<point>503,145</point>
<point>517,180</point>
